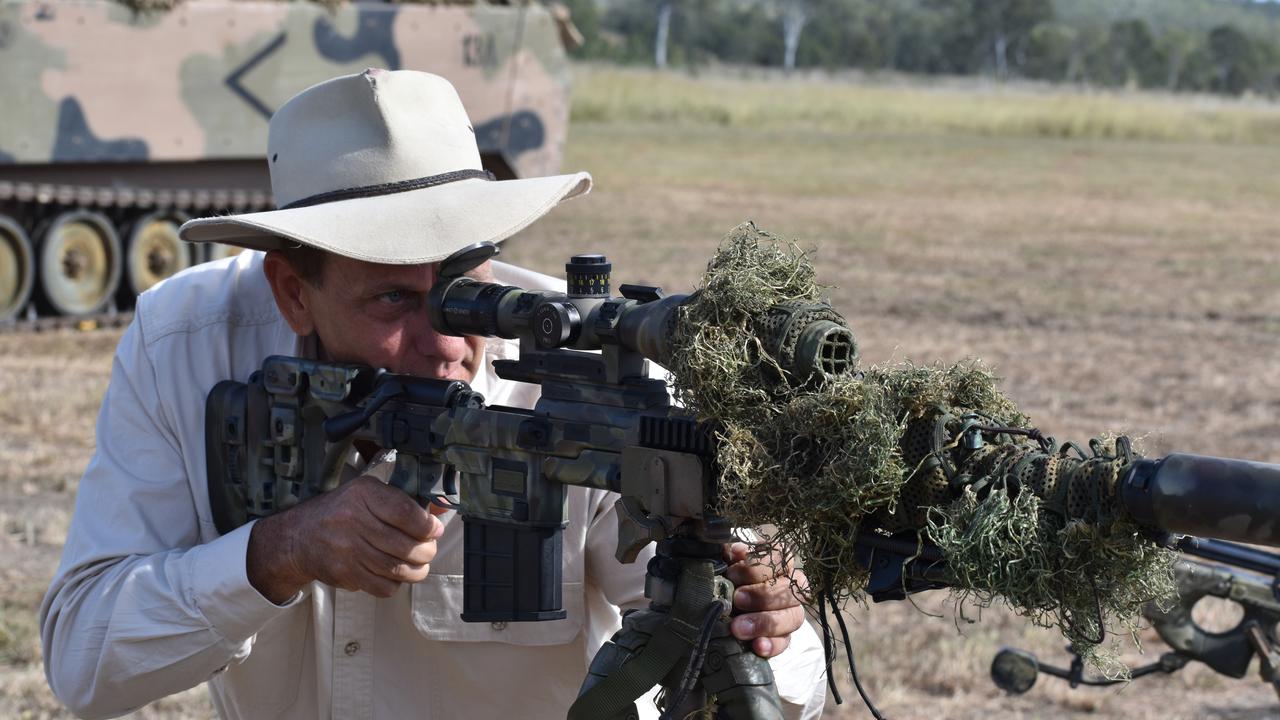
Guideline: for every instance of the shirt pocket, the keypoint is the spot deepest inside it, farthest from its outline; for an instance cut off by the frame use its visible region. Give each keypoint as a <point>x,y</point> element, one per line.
<point>437,607</point>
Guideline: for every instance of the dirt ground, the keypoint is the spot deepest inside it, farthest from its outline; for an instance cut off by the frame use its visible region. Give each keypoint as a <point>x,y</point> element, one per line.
<point>1115,285</point>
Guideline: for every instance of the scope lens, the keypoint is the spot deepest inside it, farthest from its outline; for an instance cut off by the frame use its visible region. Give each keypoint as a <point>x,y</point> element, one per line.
<point>463,306</point>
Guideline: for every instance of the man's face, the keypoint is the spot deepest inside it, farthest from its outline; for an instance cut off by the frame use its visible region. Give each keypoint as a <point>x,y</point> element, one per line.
<point>375,315</point>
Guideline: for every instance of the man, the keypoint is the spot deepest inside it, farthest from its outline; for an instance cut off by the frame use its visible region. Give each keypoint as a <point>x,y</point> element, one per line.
<point>347,605</point>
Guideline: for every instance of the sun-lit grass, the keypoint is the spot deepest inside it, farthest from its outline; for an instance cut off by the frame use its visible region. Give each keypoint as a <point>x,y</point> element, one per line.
<point>608,94</point>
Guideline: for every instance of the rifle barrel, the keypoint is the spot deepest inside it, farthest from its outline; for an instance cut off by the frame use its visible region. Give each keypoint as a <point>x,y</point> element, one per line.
<point>1223,498</point>
<point>1241,556</point>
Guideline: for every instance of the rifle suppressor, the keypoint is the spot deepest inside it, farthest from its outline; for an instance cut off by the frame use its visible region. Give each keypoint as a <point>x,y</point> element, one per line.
<point>1237,500</point>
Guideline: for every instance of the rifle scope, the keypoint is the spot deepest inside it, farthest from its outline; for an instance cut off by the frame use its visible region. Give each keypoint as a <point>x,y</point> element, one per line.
<point>808,340</point>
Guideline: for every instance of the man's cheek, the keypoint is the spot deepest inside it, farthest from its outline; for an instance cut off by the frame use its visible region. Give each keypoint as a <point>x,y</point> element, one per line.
<point>477,357</point>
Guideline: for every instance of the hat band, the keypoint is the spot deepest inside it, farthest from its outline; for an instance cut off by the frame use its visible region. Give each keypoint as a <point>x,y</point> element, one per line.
<point>390,188</point>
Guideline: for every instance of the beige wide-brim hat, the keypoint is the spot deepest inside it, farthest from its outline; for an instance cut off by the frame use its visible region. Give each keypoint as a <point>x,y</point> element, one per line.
<point>383,167</point>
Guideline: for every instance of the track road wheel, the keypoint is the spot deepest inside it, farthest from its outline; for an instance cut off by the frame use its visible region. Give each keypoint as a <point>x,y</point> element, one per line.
<point>218,251</point>
<point>153,253</point>
<point>16,269</point>
<point>78,263</point>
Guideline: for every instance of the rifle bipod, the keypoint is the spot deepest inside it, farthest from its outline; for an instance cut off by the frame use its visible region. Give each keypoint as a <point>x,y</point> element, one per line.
<point>683,643</point>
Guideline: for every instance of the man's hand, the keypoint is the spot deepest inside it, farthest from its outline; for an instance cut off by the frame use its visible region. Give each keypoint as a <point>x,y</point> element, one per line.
<point>765,596</point>
<point>363,535</point>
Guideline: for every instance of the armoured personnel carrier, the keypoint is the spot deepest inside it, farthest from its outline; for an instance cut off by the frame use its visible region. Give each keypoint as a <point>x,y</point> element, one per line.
<point>116,123</point>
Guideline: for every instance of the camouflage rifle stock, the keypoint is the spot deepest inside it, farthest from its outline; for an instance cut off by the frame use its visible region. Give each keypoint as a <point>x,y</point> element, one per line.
<point>601,422</point>
<point>121,119</point>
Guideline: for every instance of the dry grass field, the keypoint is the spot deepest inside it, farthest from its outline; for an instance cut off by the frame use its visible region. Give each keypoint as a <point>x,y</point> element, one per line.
<point>1113,257</point>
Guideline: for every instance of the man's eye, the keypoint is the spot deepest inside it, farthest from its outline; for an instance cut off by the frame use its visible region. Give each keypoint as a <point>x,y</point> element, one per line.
<point>394,297</point>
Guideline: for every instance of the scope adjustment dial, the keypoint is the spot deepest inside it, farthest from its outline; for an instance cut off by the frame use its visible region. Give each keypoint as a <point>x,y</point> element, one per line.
<point>555,324</point>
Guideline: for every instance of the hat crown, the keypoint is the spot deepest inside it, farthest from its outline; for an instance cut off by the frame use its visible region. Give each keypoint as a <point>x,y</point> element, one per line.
<point>368,129</point>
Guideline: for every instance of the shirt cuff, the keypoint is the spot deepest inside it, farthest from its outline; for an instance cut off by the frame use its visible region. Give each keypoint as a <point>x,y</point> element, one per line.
<point>799,670</point>
<point>220,587</point>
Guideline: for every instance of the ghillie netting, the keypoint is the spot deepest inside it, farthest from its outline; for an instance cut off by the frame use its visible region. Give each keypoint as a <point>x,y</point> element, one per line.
<point>935,450</point>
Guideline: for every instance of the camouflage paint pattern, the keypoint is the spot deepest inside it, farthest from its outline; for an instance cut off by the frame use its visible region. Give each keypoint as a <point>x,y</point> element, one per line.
<point>1228,652</point>
<point>1223,498</point>
<point>93,81</point>
<point>152,117</point>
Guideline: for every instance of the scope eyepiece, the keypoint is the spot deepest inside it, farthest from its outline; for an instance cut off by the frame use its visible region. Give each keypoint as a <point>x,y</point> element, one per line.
<point>463,306</point>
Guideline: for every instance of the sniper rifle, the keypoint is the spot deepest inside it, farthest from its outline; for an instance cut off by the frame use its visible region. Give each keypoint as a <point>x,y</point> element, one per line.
<point>601,422</point>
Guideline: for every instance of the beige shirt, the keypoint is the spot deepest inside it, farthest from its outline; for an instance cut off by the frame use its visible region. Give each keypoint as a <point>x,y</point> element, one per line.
<point>150,600</point>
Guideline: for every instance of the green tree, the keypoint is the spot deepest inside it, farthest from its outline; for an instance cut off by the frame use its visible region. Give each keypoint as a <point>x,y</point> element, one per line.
<point>586,16</point>
<point>1235,60</point>
<point>990,34</point>
<point>1091,55</point>
<point>737,32</point>
<point>631,26</point>
<point>1135,58</point>
<point>1176,47</point>
<point>1050,48</point>
<point>1198,71</point>
<point>1268,81</point>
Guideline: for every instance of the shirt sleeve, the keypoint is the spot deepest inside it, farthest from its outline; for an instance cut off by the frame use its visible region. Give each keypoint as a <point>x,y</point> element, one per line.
<point>138,609</point>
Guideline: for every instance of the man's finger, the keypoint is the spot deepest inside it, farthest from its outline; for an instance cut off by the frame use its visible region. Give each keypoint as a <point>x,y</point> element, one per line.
<point>391,568</point>
<point>400,546</point>
<point>766,596</point>
<point>396,509</point>
<point>378,586</point>
<point>746,573</point>
<point>771,623</point>
<point>358,579</point>
<point>767,647</point>
<point>736,552</point>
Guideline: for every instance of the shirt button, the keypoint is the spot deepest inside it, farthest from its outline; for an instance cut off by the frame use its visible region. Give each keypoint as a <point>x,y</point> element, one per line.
<point>499,625</point>
<point>352,648</point>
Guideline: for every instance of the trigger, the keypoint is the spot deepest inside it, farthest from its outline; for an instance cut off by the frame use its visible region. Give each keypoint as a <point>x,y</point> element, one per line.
<point>439,505</point>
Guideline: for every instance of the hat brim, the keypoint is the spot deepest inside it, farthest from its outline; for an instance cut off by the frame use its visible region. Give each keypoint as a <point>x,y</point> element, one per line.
<point>407,228</point>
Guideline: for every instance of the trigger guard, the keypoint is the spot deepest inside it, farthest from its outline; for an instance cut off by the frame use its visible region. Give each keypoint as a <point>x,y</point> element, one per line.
<point>444,501</point>
<point>1229,652</point>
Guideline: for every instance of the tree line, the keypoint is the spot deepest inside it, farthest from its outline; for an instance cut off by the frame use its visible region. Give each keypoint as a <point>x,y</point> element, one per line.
<point>1236,51</point>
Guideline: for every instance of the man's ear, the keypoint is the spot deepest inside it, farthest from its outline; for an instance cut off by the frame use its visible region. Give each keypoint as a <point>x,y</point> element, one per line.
<point>290,291</point>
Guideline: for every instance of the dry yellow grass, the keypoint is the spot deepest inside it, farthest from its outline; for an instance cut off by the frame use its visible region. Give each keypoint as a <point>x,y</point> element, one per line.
<point>1128,285</point>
